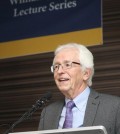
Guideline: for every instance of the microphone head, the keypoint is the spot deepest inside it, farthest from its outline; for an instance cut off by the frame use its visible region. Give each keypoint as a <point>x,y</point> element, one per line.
<point>44,99</point>
<point>48,95</point>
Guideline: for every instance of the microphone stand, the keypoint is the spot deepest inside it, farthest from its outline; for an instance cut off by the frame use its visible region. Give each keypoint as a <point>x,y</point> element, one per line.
<point>27,114</point>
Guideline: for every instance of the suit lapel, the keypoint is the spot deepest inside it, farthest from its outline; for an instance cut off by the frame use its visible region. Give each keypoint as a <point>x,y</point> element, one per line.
<point>57,114</point>
<point>91,109</point>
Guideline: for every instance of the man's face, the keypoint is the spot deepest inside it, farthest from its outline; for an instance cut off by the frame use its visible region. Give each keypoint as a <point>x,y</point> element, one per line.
<point>69,81</point>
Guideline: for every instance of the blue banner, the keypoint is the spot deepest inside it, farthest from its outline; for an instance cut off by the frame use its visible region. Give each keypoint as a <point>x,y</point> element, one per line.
<point>34,26</point>
<point>22,19</point>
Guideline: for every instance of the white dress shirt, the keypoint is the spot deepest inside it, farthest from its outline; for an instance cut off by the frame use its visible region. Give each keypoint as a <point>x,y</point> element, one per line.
<point>78,111</point>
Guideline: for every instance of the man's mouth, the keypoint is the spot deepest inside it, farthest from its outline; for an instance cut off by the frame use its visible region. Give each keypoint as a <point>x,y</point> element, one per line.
<point>63,79</point>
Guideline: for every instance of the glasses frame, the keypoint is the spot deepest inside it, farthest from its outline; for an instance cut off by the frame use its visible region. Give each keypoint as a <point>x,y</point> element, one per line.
<point>71,62</point>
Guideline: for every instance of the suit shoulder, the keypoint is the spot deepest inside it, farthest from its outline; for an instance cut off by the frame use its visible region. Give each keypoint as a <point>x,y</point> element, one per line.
<point>108,96</point>
<point>111,99</point>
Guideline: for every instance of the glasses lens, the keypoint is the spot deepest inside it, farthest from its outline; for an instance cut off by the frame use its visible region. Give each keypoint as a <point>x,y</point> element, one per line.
<point>67,65</point>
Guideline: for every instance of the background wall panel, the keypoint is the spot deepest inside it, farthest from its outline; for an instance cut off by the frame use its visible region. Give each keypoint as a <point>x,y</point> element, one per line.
<point>23,80</point>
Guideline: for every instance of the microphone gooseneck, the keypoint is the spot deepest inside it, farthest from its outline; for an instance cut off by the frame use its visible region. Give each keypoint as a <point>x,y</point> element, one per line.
<point>39,103</point>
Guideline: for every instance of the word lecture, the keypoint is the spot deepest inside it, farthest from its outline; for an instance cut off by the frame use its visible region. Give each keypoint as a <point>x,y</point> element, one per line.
<point>52,6</point>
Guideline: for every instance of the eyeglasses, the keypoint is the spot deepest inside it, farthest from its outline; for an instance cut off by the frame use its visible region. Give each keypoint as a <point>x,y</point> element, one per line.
<point>65,66</point>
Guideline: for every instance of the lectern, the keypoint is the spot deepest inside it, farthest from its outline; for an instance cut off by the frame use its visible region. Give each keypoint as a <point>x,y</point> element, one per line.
<point>81,130</point>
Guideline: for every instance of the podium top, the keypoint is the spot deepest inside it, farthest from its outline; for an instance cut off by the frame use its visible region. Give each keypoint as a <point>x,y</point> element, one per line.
<point>81,130</point>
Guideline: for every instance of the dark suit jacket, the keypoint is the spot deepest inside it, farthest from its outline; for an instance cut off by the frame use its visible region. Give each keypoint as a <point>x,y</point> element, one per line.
<point>101,109</point>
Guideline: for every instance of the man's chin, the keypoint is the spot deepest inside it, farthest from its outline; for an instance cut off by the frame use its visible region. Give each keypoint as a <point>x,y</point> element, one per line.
<point>64,89</point>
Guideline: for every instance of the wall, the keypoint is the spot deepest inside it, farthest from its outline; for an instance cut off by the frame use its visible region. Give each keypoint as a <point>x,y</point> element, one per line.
<point>23,80</point>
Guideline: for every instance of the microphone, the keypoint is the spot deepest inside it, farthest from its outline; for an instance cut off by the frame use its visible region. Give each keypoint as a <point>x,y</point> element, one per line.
<point>39,103</point>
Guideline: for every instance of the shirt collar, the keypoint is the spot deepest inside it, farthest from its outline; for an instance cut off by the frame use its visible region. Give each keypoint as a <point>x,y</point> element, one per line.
<point>81,100</point>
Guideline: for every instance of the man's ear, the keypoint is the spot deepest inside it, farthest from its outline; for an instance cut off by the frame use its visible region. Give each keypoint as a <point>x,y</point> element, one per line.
<point>87,74</point>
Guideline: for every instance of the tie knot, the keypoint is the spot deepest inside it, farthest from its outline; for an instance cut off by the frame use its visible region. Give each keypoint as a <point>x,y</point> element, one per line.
<point>70,104</point>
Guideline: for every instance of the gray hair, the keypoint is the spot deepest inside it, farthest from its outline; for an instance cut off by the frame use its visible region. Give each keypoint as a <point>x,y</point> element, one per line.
<point>85,57</point>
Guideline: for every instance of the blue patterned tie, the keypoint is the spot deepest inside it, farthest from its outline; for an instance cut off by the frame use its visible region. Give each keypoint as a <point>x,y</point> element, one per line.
<point>69,115</point>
